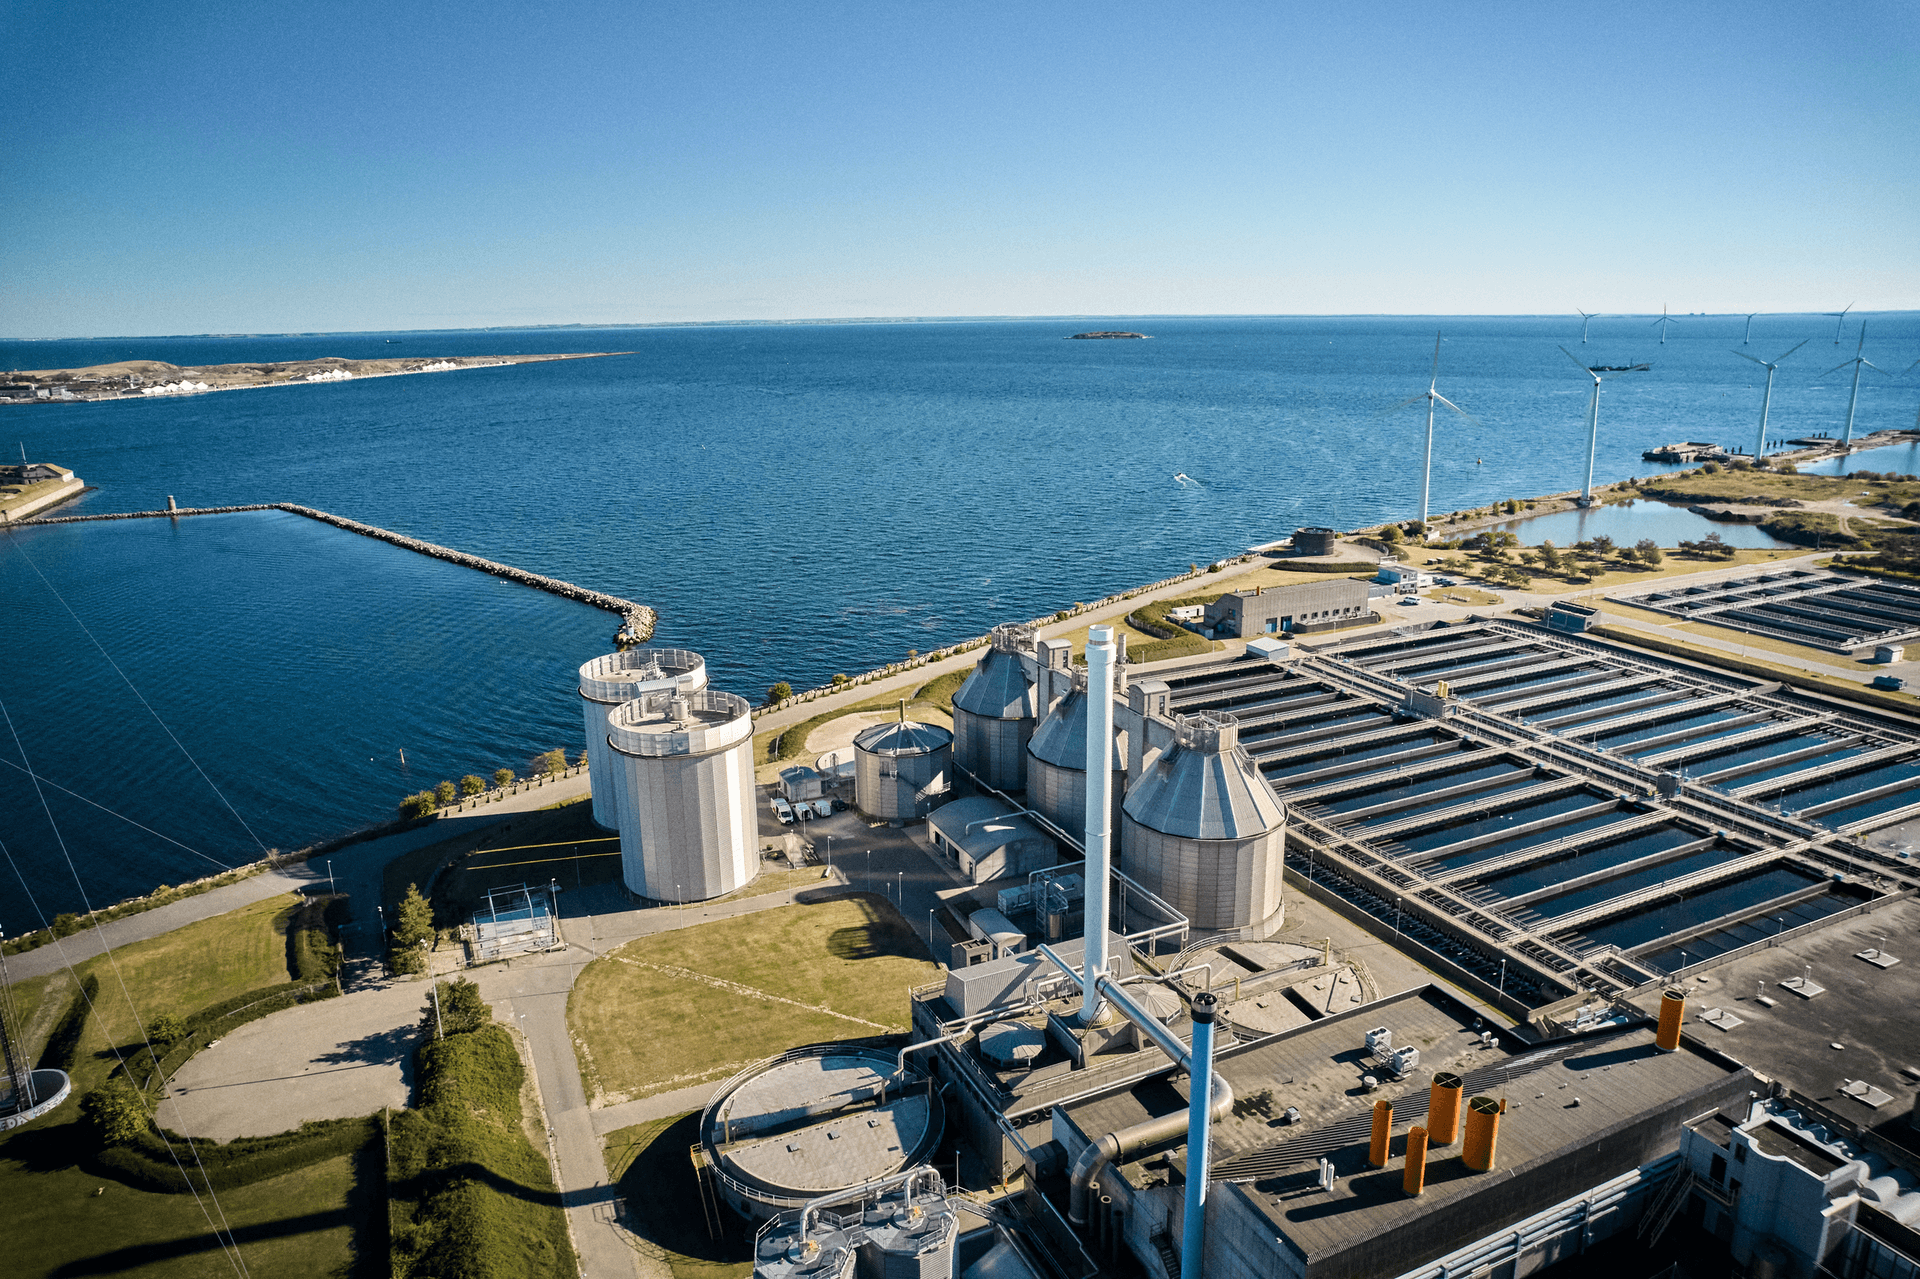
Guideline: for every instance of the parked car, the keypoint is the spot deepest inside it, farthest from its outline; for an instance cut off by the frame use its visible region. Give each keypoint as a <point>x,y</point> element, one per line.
<point>782,811</point>
<point>1892,682</point>
<point>839,805</point>
<point>1409,599</point>
<point>824,807</point>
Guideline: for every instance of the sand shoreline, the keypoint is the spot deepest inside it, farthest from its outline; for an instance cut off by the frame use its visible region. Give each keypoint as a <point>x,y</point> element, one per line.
<point>139,379</point>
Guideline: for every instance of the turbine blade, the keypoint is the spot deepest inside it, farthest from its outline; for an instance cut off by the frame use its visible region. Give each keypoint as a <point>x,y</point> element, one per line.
<point>1406,403</point>
<point>1457,409</point>
<point>1796,346</point>
<point>1589,372</point>
<point>1875,367</point>
<point>1435,376</point>
<point>1836,368</point>
<point>1743,355</point>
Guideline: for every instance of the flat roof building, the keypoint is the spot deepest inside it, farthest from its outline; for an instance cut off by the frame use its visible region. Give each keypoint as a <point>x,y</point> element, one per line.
<point>1288,610</point>
<point>987,840</point>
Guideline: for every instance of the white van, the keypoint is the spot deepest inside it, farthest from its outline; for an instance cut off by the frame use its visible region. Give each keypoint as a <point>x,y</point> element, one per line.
<point>783,811</point>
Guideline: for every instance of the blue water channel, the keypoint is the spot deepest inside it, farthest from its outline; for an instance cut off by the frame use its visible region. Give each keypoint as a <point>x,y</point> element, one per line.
<point>1313,763</point>
<point>1634,881</point>
<point>1747,931</point>
<point>1386,790</point>
<point>1679,914</point>
<point>1616,852</point>
<point>1538,810</point>
<point>1627,523</point>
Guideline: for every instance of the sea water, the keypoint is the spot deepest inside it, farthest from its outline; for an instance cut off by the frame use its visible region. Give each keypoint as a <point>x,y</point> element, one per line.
<point>795,500</point>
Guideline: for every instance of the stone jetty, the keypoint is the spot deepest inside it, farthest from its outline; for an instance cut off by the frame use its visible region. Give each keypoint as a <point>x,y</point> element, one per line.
<point>636,620</point>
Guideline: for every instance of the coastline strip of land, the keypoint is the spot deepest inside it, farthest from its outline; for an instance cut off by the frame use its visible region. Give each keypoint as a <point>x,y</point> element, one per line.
<point>144,379</point>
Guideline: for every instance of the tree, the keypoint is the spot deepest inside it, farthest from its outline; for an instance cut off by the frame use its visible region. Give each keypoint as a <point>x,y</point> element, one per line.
<point>1392,535</point>
<point>503,777</point>
<point>413,926</point>
<point>779,692</point>
<point>1415,528</point>
<point>1550,557</point>
<point>444,794</point>
<point>418,804</point>
<point>1649,552</point>
<point>1711,468</point>
<point>553,763</point>
<point>115,1112</point>
<point>582,761</point>
<point>461,1010</point>
<point>839,679</point>
<point>472,784</point>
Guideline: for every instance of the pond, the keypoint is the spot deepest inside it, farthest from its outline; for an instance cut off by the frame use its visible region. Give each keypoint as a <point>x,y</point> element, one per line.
<point>1665,523</point>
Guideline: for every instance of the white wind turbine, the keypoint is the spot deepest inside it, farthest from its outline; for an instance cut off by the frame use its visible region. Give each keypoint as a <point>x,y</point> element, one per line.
<point>1858,361</point>
<point>1760,447</point>
<point>1839,318</point>
<point>1593,424</point>
<point>1585,320</point>
<point>1432,397</point>
<point>1660,324</point>
<point>1749,338</point>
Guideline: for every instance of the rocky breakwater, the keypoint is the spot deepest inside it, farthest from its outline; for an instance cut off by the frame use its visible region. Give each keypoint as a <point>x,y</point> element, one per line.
<point>636,620</point>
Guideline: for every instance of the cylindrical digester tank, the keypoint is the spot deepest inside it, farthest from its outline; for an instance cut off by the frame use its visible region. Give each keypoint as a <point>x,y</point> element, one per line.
<point>994,713</point>
<point>901,770</point>
<point>688,828</point>
<point>1057,764</point>
<point>1203,829</point>
<point>607,681</point>
<point>1315,541</point>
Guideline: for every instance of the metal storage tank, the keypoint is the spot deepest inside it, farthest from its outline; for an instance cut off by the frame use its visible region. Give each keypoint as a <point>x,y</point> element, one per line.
<point>994,712</point>
<point>607,681</point>
<point>1314,541</point>
<point>1203,829</point>
<point>684,770</point>
<point>1057,765</point>
<point>901,770</point>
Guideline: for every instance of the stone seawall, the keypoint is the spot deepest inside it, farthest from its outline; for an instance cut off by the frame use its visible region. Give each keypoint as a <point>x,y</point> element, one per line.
<point>637,620</point>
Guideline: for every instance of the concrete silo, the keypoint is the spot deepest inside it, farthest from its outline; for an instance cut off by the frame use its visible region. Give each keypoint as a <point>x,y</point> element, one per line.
<point>607,681</point>
<point>1203,829</point>
<point>1057,764</point>
<point>900,771</point>
<point>994,712</point>
<point>684,769</point>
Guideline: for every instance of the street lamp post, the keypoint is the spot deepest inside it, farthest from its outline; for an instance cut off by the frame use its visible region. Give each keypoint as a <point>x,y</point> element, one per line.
<point>329,876</point>
<point>1503,974</point>
<point>1396,917</point>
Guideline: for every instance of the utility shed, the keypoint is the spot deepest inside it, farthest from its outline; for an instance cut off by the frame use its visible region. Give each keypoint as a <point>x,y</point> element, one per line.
<point>987,840</point>
<point>1267,1216</point>
<point>1287,610</point>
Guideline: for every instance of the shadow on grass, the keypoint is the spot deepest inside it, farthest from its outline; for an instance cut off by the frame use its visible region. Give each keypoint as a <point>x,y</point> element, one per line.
<point>662,1200</point>
<point>146,1254</point>
<point>883,932</point>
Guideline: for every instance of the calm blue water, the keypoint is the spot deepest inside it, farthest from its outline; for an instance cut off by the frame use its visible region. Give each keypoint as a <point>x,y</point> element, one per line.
<point>795,500</point>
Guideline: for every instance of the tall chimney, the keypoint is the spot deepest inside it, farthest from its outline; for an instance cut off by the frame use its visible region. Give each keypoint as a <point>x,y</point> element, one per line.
<point>1099,814</point>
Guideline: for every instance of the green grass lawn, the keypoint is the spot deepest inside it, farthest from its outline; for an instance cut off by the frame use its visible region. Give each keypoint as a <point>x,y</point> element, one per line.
<point>649,1164</point>
<point>315,1221</point>
<point>180,972</point>
<point>802,974</point>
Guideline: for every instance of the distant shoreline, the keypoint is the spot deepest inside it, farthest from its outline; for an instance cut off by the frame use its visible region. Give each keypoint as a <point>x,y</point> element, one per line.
<point>156,379</point>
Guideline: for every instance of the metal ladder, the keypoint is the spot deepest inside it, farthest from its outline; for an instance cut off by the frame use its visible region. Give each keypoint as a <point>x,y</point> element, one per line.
<point>1661,1211</point>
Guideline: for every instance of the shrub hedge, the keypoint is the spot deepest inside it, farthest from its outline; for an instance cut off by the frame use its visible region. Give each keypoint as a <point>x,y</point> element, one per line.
<point>311,954</point>
<point>469,1197</point>
<point>148,1163</point>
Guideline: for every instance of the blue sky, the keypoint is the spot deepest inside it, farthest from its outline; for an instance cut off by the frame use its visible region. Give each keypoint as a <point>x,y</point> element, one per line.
<point>185,168</point>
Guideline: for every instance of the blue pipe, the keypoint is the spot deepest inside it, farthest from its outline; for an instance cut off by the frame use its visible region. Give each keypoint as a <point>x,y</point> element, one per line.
<point>1193,1232</point>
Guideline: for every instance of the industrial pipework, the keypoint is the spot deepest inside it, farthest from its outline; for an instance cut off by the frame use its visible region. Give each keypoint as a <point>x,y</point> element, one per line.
<point>1193,1233</point>
<point>1673,1016</point>
<point>868,1190</point>
<point>1099,813</point>
<point>1091,1161</point>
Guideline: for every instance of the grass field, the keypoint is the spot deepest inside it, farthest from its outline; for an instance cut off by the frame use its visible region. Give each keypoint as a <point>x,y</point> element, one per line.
<point>649,1164</point>
<point>700,1003</point>
<point>1731,486</point>
<point>931,701</point>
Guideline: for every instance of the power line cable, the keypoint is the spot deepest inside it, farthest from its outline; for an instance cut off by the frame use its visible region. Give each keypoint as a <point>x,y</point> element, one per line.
<point>111,813</point>
<point>142,700</point>
<point>229,1244</point>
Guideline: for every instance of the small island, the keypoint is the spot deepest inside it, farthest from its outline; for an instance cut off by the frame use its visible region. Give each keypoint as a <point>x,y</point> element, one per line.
<point>133,379</point>
<point>1109,334</point>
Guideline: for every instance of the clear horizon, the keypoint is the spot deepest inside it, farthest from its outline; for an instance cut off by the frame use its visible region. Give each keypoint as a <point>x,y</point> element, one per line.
<point>214,169</point>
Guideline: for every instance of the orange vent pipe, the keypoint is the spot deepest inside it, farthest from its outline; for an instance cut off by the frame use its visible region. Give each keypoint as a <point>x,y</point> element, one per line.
<point>1483,1133</point>
<point>1382,1134</point>
<point>1673,1015</point>
<point>1415,1179</point>
<point>1443,1109</point>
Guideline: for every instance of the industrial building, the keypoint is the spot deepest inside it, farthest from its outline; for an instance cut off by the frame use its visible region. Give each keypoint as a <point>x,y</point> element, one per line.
<point>606,682</point>
<point>1581,840</point>
<point>1838,611</point>
<point>1289,610</point>
<point>985,840</point>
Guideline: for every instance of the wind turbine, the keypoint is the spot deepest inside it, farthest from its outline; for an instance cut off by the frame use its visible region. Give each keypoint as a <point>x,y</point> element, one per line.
<point>1749,338</point>
<point>1760,448</point>
<point>1839,318</point>
<point>1585,320</point>
<point>1593,424</point>
<point>1660,324</point>
<point>1858,361</point>
<point>1432,397</point>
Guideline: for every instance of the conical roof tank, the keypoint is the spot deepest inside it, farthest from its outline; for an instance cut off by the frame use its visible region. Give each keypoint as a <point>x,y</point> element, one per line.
<point>900,770</point>
<point>1204,830</point>
<point>994,713</point>
<point>1057,764</point>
